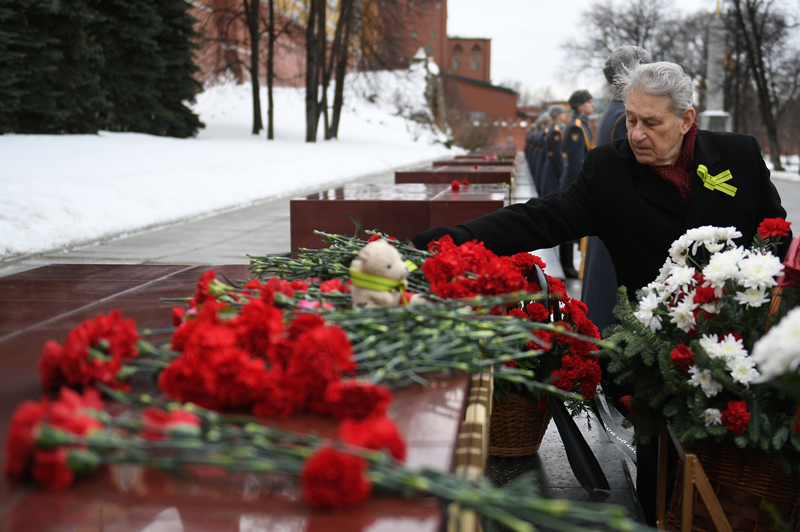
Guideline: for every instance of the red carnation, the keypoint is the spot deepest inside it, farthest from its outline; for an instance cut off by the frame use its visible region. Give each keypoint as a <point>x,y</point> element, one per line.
<point>455,186</point>
<point>705,294</point>
<point>275,397</point>
<point>736,417</point>
<point>537,312</point>
<point>21,435</point>
<point>77,413</point>
<point>159,423</point>
<point>510,363</point>
<point>177,315</point>
<point>626,400</point>
<point>682,357</point>
<point>517,313</point>
<point>304,322</point>
<point>771,227</point>
<point>276,285</point>
<point>51,470</point>
<point>256,327</point>
<point>332,479</point>
<point>526,262</point>
<point>356,400</point>
<point>378,433</point>
<point>373,238</point>
<point>333,285</point>
<point>465,183</point>
<point>203,284</point>
<point>298,285</point>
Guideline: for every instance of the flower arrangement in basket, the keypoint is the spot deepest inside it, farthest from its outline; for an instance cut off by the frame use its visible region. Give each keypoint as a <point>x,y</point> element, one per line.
<point>695,347</point>
<point>686,343</point>
<point>520,414</point>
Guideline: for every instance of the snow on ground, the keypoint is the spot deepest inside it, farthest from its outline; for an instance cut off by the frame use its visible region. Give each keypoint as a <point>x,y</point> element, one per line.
<point>61,190</point>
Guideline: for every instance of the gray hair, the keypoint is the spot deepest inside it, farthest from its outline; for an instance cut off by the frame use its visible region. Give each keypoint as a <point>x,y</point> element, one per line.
<point>660,79</point>
<point>619,62</point>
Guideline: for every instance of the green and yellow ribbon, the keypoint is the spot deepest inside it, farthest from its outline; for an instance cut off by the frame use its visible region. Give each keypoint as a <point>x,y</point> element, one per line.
<point>717,182</point>
<point>378,283</point>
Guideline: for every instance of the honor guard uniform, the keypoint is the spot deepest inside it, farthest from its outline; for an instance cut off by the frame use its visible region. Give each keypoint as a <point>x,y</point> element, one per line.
<point>530,148</point>
<point>577,143</point>
<point>555,156</point>
<point>541,157</point>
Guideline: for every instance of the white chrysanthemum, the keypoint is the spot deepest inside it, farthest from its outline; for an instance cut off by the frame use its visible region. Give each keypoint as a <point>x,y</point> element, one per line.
<point>680,278</point>
<point>723,266</point>
<point>678,251</point>
<point>712,416</point>
<point>715,247</point>
<point>664,271</point>
<point>726,235</point>
<point>742,370</point>
<point>645,312</point>
<point>752,297</point>
<point>778,352</point>
<point>682,314</point>
<point>701,378</point>
<point>759,270</point>
<point>714,307</point>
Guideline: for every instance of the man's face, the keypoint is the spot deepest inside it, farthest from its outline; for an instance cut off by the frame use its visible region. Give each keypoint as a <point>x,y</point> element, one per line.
<point>586,108</point>
<point>654,132</point>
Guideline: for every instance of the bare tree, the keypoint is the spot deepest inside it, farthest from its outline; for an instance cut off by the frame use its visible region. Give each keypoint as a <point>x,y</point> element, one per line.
<point>252,18</point>
<point>313,60</point>
<point>762,32</point>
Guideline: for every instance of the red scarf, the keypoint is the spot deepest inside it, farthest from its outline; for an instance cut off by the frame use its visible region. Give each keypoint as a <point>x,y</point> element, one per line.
<point>679,175</point>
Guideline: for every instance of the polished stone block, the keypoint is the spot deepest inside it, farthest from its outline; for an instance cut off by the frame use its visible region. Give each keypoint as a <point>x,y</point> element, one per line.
<point>400,210</point>
<point>445,175</point>
<point>473,161</point>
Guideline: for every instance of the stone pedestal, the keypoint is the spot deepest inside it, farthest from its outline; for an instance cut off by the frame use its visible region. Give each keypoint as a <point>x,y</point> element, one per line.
<point>401,210</point>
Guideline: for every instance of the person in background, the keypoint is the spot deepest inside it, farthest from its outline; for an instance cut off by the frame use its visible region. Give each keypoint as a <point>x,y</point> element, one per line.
<point>530,148</point>
<point>541,143</point>
<point>554,155</point>
<point>577,143</point>
<point>599,287</point>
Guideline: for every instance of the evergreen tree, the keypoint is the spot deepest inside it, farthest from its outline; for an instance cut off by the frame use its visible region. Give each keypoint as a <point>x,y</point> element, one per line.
<point>52,84</point>
<point>176,86</point>
<point>133,63</point>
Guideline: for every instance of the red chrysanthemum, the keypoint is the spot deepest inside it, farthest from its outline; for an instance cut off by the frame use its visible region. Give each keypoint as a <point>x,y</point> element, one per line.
<point>772,227</point>
<point>352,399</point>
<point>51,470</point>
<point>736,417</point>
<point>332,479</point>
<point>682,357</point>
<point>378,433</point>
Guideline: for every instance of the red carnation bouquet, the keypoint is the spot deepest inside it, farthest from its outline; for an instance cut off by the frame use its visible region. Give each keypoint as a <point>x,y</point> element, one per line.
<point>569,362</point>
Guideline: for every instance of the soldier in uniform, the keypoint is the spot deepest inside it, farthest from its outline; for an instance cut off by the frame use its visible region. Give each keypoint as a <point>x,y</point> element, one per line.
<point>599,289</point>
<point>541,157</point>
<point>555,156</point>
<point>577,143</point>
<point>530,149</point>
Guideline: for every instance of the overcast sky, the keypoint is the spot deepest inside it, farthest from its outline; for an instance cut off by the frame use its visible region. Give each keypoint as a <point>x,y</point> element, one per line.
<point>527,36</point>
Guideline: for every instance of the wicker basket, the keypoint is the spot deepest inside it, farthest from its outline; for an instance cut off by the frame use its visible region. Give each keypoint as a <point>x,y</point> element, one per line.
<point>744,480</point>
<point>517,426</point>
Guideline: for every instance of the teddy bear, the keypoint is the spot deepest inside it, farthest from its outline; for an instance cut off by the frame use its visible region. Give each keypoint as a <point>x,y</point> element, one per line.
<point>378,275</point>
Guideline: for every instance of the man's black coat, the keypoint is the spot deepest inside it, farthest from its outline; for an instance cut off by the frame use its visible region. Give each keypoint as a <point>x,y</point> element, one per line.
<point>635,212</point>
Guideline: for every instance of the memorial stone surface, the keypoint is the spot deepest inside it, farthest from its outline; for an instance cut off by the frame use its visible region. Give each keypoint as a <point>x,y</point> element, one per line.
<point>444,175</point>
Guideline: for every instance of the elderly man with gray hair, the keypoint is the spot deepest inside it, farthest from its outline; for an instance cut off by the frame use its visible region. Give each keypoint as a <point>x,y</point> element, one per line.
<point>641,193</point>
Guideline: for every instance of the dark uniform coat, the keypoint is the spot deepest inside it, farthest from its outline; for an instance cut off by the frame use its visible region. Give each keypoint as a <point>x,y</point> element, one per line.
<point>530,148</point>
<point>577,143</point>
<point>599,287</point>
<point>554,161</point>
<point>541,157</point>
<point>626,204</point>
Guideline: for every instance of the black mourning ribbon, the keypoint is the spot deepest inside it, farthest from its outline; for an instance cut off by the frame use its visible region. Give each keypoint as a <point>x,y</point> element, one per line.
<point>581,459</point>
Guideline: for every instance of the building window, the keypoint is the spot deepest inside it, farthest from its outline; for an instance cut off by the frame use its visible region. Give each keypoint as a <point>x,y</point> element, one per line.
<point>457,49</point>
<point>424,5</point>
<point>413,34</point>
<point>476,50</point>
<point>429,49</point>
<point>438,5</point>
<point>456,63</point>
<point>473,63</point>
<point>433,34</point>
<point>399,32</point>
